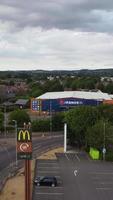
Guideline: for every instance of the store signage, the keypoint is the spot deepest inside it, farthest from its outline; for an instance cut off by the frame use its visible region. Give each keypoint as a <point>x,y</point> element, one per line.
<point>71,102</point>
<point>36,104</point>
<point>24,144</point>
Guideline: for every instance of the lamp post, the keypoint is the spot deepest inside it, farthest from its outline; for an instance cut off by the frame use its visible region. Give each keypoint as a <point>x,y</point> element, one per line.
<point>104,149</point>
<point>5,121</point>
<point>50,116</point>
<point>16,139</point>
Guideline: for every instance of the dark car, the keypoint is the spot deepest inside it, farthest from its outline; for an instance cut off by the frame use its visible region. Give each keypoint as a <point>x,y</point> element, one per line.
<point>46,181</point>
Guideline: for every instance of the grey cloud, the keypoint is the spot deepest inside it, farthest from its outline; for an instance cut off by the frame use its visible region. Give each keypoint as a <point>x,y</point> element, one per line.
<point>61,14</point>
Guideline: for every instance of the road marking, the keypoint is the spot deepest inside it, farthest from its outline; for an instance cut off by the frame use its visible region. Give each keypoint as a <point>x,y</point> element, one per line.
<point>47,193</point>
<point>101,173</point>
<point>66,156</point>
<point>106,183</point>
<point>50,167</point>
<point>75,172</point>
<point>51,188</point>
<point>48,171</point>
<point>48,163</point>
<point>104,188</point>
<point>77,157</point>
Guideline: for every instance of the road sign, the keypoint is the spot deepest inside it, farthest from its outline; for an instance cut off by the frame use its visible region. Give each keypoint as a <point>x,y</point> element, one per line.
<point>24,144</point>
<point>104,150</point>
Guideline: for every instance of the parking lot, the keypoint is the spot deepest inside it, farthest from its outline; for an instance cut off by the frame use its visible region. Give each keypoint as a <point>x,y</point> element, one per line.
<point>78,177</point>
<point>48,168</point>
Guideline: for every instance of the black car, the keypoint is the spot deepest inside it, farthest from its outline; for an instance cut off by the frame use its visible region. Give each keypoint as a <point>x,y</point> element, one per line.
<point>46,181</point>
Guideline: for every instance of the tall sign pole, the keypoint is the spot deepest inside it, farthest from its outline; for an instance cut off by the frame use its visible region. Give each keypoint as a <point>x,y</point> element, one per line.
<point>24,151</point>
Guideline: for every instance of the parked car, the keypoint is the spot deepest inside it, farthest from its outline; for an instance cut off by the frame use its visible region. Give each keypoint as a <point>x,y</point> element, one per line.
<point>46,181</point>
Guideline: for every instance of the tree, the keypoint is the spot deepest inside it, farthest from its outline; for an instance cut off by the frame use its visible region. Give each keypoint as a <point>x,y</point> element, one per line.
<point>20,116</point>
<point>100,136</point>
<point>58,122</point>
<point>109,88</point>
<point>78,119</point>
<point>106,112</point>
<point>1,120</point>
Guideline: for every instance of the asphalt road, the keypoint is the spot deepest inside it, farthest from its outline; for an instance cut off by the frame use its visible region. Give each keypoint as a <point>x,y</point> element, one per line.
<point>8,155</point>
<point>79,178</point>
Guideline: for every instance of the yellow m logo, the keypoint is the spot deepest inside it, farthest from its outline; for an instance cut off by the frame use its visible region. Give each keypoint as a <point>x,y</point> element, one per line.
<point>24,135</point>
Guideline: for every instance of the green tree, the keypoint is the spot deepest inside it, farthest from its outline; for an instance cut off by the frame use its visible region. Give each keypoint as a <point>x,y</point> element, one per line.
<point>52,85</point>
<point>78,119</point>
<point>58,122</point>
<point>41,125</point>
<point>1,120</point>
<point>109,88</point>
<point>106,112</point>
<point>20,116</point>
<point>100,135</point>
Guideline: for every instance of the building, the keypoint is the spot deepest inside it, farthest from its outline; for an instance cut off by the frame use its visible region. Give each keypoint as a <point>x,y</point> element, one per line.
<point>22,103</point>
<point>62,101</point>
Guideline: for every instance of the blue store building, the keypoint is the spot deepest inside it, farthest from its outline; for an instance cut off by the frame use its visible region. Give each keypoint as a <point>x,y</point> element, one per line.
<point>62,101</point>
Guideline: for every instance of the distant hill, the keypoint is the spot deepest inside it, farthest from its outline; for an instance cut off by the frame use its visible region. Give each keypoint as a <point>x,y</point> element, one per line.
<point>84,72</point>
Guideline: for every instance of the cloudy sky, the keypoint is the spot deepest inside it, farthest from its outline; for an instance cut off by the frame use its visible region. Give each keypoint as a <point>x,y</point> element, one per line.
<point>56,34</point>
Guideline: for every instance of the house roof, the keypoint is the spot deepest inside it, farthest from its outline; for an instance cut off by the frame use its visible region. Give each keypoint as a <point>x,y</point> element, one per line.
<point>21,102</point>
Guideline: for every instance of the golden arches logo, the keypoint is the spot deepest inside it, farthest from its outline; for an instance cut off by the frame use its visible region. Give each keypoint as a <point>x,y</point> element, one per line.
<point>24,135</point>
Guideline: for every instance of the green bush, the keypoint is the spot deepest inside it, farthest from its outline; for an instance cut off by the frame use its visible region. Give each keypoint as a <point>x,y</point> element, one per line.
<point>109,155</point>
<point>1,120</point>
<point>58,122</point>
<point>20,116</point>
<point>41,125</point>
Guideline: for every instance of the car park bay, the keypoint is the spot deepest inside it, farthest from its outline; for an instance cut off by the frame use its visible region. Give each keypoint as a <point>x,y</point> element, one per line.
<point>78,178</point>
<point>48,168</point>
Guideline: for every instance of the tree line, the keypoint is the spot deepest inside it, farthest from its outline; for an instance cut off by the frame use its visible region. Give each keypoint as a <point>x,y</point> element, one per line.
<point>90,126</point>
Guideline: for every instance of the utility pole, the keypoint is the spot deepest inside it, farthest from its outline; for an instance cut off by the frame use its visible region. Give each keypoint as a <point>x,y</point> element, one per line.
<point>65,138</point>
<point>50,116</point>
<point>5,134</point>
<point>16,139</point>
<point>104,136</point>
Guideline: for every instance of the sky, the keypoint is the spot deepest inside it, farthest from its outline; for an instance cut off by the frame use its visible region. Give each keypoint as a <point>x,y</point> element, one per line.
<point>56,34</point>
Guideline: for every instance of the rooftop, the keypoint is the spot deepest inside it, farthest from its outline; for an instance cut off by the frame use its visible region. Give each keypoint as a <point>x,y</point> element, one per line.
<point>76,94</point>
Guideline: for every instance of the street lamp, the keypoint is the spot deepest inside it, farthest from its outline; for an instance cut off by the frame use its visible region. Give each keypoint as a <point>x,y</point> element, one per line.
<point>16,139</point>
<point>50,110</point>
<point>104,149</point>
<point>5,121</point>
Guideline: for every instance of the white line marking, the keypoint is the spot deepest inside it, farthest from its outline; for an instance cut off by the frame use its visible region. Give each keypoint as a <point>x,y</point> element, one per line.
<point>66,156</point>
<point>51,163</point>
<point>101,173</point>
<point>43,187</point>
<point>48,167</point>
<point>77,157</point>
<point>75,172</point>
<point>48,171</point>
<point>42,193</point>
<point>104,188</point>
<point>106,183</point>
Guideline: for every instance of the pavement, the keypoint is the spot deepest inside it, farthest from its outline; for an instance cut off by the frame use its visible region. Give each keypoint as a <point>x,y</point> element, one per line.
<point>79,178</point>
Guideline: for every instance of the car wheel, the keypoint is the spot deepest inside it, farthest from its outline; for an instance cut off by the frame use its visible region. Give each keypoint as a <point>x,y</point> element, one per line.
<point>53,185</point>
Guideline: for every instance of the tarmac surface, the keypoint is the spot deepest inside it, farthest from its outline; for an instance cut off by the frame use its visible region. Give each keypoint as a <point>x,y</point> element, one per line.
<point>79,178</point>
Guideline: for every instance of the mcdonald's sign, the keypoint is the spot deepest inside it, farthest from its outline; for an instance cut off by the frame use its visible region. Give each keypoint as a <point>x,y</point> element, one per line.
<point>24,144</point>
<point>24,135</point>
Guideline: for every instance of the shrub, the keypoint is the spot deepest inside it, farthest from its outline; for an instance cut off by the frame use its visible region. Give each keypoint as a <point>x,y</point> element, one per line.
<point>41,125</point>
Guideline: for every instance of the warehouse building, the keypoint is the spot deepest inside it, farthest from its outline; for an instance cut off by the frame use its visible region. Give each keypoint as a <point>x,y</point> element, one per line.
<point>62,101</point>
